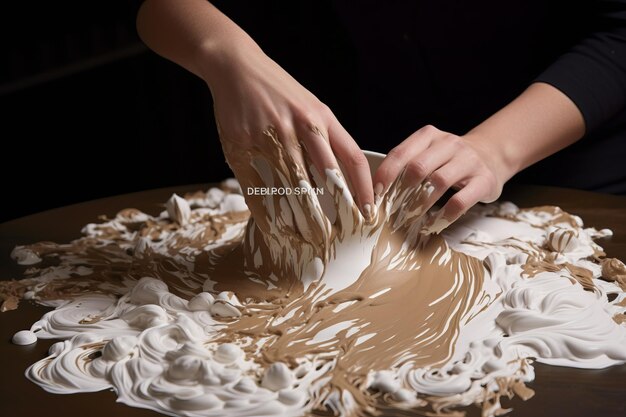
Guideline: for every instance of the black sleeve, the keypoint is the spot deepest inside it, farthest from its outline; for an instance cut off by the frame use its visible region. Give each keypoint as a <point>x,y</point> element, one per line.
<point>593,73</point>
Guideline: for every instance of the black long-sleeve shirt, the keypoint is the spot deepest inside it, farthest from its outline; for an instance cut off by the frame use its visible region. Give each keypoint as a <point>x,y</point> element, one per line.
<point>453,63</point>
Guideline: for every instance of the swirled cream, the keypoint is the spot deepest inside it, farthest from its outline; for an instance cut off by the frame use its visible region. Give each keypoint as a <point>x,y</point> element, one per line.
<point>205,310</point>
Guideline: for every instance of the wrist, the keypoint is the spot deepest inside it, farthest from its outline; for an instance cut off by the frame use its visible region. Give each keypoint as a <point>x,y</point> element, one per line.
<point>216,59</point>
<point>498,157</point>
<point>538,123</point>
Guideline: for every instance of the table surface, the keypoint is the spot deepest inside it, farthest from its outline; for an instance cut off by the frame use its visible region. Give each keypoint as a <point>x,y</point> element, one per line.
<point>559,391</point>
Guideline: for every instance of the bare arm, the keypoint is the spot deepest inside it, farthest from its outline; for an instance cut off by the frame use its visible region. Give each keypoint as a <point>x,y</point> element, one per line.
<point>576,94</point>
<point>251,92</point>
<point>538,123</point>
<point>192,33</point>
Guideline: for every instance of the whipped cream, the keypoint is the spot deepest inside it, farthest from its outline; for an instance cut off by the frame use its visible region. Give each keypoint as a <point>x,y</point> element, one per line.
<point>24,337</point>
<point>204,310</point>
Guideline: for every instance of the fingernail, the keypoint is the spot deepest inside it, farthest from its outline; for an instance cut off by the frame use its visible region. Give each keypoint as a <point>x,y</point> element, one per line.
<point>368,212</point>
<point>378,189</point>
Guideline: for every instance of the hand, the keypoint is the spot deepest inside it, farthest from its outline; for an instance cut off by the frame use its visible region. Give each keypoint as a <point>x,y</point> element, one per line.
<point>445,161</point>
<point>251,93</point>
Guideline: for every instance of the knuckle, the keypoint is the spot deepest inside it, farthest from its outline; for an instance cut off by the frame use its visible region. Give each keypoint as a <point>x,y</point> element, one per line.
<point>312,119</point>
<point>454,141</point>
<point>307,116</point>
<point>489,180</point>
<point>440,179</point>
<point>325,111</point>
<point>275,121</point>
<point>312,114</point>
<point>285,128</point>
<point>356,158</point>
<point>458,204</point>
<point>429,129</point>
<point>388,169</point>
<point>394,155</point>
<point>492,188</point>
<point>417,169</point>
<point>394,158</point>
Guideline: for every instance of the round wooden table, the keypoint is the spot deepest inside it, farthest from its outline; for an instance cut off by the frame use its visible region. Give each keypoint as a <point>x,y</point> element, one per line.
<point>559,391</point>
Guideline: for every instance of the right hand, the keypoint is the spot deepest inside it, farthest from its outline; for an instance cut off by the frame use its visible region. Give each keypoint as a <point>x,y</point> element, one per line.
<point>251,92</point>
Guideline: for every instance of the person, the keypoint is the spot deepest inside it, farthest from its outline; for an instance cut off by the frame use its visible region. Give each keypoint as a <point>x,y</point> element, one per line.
<point>519,82</point>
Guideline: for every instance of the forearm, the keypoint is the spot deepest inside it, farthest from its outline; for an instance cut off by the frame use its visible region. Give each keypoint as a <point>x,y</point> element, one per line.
<point>538,123</point>
<point>193,34</point>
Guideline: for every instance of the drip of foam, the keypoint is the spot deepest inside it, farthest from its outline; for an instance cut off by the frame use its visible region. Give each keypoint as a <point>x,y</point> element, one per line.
<point>205,310</point>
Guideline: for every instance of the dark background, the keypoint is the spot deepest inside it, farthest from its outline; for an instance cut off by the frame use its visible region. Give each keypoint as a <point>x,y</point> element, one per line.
<point>83,101</point>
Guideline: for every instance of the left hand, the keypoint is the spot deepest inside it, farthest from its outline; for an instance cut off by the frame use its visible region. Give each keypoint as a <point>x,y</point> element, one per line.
<point>446,161</point>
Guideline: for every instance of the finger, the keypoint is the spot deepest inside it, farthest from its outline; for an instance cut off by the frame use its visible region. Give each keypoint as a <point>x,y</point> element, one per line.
<point>475,190</point>
<point>399,157</point>
<point>250,172</point>
<point>279,165</point>
<point>439,153</point>
<point>307,211</point>
<point>448,175</point>
<point>318,150</point>
<point>294,158</point>
<point>357,168</point>
<point>416,178</point>
<point>260,165</point>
